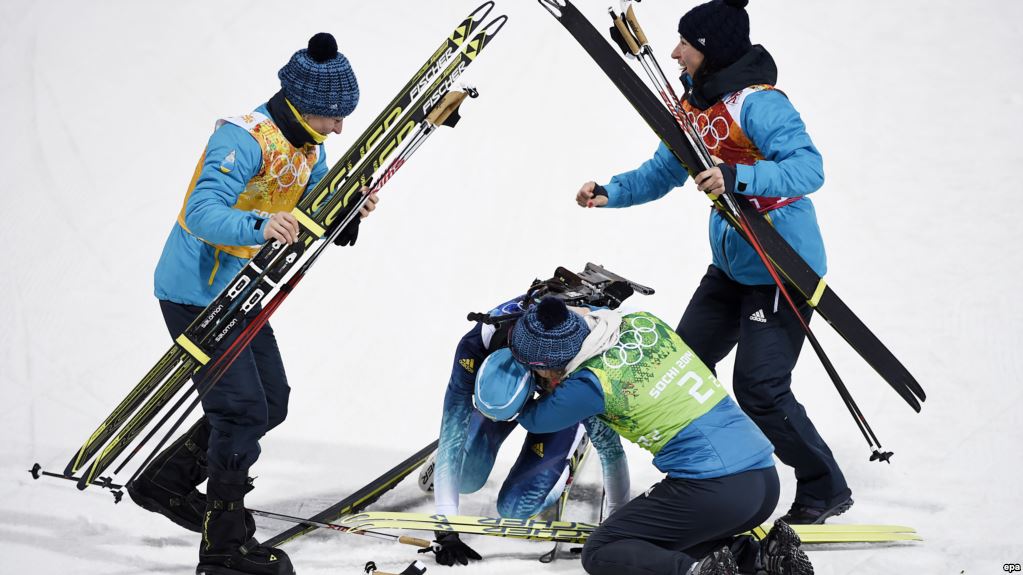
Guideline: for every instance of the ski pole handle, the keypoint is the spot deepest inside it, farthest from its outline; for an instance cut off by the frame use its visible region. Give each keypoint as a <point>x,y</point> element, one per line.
<point>371,569</point>
<point>630,17</point>
<point>626,34</point>
<point>414,541</point>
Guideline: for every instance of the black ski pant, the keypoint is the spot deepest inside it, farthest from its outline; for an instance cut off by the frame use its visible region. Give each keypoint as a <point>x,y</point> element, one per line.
<point>249,400</point>
<point>679,521</point>
<point>767,335</point>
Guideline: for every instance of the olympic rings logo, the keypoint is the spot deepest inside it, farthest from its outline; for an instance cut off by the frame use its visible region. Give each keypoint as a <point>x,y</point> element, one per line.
<point>712,130</point>
<point>631,343</point>
<point>288,172</point>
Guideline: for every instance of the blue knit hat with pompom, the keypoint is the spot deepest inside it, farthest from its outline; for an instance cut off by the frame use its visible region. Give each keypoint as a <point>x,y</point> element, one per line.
<point>319,80</point>
<point>549,335</point>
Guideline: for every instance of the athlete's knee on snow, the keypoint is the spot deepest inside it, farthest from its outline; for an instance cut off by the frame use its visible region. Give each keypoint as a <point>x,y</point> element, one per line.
<point>590,557</point>
<point>473,479</point>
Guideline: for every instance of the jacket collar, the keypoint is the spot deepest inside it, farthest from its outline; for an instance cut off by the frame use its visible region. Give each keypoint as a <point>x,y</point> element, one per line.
<point>290,124</point>
<point>756,66</point>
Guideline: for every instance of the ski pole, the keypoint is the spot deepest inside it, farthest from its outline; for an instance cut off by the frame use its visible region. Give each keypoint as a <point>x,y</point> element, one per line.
<point>104,482</point>
<point>415,568</point>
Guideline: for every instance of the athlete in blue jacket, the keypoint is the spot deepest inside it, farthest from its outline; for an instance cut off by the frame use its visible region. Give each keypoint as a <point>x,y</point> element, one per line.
<point>633,373</point>
<point>474,426</point>
<point>768,159</point>
<point>253,172</point>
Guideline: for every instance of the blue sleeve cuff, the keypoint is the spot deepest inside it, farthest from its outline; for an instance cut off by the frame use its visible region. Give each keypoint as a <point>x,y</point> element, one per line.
<point>614,195</point>
<point>257,230</point>
<point>744,178</point>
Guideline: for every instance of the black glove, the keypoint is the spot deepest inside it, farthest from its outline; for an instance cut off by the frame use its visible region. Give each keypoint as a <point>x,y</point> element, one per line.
<point>348,235</point>
<point>449,549</point>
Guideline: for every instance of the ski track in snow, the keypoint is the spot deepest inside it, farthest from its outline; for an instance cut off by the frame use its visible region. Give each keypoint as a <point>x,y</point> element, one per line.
<point>919,213</point>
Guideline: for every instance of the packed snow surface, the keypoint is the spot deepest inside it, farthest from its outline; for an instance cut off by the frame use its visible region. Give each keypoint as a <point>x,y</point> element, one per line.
<point>915,106</point>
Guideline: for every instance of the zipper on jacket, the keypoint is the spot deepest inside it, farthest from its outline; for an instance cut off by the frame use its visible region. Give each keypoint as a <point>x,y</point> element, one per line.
<point>216,265</point>
<point>724,254</point>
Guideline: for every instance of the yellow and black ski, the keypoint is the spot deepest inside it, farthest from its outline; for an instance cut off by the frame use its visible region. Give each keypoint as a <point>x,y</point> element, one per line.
<point>573,532</point>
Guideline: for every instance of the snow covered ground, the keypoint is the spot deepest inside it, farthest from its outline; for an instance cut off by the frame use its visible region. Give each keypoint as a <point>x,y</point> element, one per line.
<point>914,104</point>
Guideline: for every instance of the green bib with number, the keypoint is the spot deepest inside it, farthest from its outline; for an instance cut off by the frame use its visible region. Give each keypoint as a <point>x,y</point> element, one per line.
<point>654,385</point>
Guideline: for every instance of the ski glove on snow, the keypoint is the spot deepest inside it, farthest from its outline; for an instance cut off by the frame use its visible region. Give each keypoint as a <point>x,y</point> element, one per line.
<point>450,549</point>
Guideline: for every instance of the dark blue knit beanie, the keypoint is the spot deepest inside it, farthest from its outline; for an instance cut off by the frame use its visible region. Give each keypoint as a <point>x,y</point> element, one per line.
<point>549,335</point>
<point>719,29</point>
<point>319,80</point>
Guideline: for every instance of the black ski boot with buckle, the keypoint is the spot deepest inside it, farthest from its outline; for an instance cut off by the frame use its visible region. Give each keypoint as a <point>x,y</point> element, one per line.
<point>168,484</point>
<point>228,546</point>
<point>781,553</point>
<point>720,562</point>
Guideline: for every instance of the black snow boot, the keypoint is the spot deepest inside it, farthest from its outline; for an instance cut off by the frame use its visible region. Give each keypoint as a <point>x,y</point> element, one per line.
<point>228,546</point>
<point>781,553</point>
<point>800,514</point>
<point>168,485</point>
<point>719,562</point>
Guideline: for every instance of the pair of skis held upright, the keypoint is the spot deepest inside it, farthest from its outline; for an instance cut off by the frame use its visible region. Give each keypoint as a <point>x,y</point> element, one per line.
<point>423,104</point>
<point>676,129</point>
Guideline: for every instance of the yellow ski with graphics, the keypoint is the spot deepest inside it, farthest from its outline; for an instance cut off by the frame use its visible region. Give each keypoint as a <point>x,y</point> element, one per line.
<point>572,532</point>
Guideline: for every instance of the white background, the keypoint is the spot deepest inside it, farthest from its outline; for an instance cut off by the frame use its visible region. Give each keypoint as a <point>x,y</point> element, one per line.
<point>914,105</point>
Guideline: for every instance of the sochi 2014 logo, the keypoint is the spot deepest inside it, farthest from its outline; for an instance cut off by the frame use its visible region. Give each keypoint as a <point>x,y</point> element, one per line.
<point>711,130</point>
<point>289,171</point>
<point>631,343</point>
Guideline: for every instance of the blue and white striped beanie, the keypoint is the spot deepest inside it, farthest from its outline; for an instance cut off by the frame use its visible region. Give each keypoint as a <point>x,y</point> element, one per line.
<point>319,80</point>
<point>549,335</point>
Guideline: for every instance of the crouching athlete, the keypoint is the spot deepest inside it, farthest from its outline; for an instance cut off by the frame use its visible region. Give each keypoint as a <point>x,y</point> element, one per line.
<point>476,423</point>
<point>635,374</point>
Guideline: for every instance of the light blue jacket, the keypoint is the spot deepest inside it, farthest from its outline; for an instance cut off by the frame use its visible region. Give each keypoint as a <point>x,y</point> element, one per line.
<point>185,272</point>
<point>792,167</point>
<point>723,441</point>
